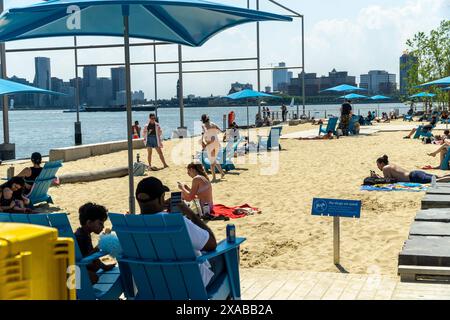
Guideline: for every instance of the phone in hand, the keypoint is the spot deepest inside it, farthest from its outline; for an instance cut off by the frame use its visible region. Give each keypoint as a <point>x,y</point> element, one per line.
<point>175,199</point>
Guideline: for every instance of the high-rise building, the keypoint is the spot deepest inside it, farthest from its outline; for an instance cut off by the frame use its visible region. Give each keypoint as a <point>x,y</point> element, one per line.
<point>407,61</point>
<point>118,80</point>
<point>280,77</point>
<point>89,90</point>
<point>378,82</point>
<point>104,92</point>
<point>42,79</point>
<point>90,76</point>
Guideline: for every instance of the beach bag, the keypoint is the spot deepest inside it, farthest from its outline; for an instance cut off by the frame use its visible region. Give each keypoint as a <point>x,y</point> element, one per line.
<point>370,181</point>
<point>139,169</point>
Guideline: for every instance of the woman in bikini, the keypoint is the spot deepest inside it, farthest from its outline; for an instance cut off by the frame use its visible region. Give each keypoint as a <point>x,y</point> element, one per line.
<point>31,173</point>
<point>201,187</point>
<point>211,144</point>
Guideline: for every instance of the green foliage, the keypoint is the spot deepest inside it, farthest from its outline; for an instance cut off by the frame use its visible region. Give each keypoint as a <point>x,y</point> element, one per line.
<point>432,54</point>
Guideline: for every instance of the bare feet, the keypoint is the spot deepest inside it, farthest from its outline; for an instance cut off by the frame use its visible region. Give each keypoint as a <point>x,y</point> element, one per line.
<point>432,154</point>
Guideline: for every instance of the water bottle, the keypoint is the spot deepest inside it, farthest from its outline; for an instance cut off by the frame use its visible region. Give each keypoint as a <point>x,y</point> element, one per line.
<point>138,158</point>
<point>205,209</point>
<point>231,233</point>
<point>433,181</point>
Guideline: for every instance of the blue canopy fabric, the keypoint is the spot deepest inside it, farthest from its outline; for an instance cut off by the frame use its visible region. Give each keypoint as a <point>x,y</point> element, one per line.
<point>344,88</point>
<point>247,94</point>
<point>8,87</point>
<point>422,95</point>
<point>440,82</point>
<point>353,96</point>
<point>187,22</point>
<point>379,97</point>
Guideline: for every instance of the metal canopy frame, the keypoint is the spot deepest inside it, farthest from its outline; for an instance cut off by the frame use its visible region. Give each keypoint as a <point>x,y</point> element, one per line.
<point>155,63</point>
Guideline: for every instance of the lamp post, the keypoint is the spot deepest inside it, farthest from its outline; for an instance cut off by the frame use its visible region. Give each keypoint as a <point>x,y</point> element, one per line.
<point>78,134</point>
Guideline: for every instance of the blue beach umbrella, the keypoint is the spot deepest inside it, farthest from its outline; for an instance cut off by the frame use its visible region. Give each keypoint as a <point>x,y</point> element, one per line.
<point>8,87</point>
<point>249,94</point>
<point>351,96</point>
<point>379,97</point>
<point>188,22</point>
<point>344,88</point>
<point>423,95</point>
<point>440,82</point>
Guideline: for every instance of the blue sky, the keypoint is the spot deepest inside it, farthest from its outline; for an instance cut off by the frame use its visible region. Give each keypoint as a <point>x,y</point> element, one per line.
<point>353,35</point>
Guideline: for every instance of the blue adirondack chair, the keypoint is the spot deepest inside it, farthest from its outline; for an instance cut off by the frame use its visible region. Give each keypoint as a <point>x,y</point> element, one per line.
<point>110,285</point>
<point>445,161</point>
<point>226,153</point>
<point>331,126</point>
<point>351,127</point>
<point>422,133</point>
<point>161,258</point>
<point>272,141</point>
<point>407,117</point>
<point>43,182</point>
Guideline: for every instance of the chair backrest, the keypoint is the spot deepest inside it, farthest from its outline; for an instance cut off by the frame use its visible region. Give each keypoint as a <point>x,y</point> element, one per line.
<point>332,123</point>
<point>159,252</point>
<point>273,140</point>
<point>44,181</point>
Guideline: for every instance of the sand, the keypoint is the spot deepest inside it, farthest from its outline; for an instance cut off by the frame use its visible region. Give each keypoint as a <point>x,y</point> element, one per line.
<point>282,184</point>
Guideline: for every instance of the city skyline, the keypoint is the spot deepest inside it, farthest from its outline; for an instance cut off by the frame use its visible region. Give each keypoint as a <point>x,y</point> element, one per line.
<point>377,31</point>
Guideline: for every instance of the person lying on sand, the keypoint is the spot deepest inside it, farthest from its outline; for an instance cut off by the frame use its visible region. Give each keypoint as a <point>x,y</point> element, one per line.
<point>393,171</point>
<point>328,136</point>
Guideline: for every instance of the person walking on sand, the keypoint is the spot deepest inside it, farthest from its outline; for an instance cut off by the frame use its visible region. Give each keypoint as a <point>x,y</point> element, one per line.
<point>136,130</point>
<point>152,139</point>
<point>211,144</point>
<point>346,115</point>
<point>283,112</point>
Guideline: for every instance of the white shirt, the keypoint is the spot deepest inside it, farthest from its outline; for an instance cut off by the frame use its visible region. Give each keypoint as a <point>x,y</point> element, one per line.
<point>199,237</point>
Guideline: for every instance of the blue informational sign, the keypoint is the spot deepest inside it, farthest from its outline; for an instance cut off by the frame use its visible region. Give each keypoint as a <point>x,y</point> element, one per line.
<point>336,208</point>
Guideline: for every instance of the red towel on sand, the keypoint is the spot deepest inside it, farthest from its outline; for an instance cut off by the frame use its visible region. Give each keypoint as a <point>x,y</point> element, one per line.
<point>232,212</point>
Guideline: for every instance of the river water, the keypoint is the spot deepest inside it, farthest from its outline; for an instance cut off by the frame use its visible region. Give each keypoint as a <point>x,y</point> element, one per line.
<point>35,130</point>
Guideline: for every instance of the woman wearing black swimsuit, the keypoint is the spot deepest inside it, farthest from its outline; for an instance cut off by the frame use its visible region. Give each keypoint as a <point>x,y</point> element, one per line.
<point>31,173</point>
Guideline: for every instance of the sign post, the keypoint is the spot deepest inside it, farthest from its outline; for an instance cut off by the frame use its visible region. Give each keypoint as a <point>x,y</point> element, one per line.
<point>336,208</point>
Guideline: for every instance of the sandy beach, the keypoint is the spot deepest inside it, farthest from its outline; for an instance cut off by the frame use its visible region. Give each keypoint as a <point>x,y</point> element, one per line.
<point>282,184</point>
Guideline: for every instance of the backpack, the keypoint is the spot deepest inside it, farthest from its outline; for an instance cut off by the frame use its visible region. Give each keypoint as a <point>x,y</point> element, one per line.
<point>370,181</point>
<point>139,169</point>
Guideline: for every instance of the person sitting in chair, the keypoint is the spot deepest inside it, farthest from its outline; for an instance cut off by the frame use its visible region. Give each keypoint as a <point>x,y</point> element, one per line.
<point>426,128</point>
<point>31,173</point>
<point>150,194</point>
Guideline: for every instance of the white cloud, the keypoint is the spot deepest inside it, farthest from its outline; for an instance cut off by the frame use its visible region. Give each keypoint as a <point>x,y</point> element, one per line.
<point>374,40</point>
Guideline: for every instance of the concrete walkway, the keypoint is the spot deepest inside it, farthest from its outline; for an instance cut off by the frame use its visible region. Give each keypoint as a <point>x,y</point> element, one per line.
<point>259,284</point>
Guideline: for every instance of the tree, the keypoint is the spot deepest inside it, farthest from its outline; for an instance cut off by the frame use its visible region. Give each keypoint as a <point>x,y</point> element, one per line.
<point>431,58</point>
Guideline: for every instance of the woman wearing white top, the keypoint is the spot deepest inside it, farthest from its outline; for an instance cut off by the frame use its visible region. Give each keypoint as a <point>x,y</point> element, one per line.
<point>211,143</point>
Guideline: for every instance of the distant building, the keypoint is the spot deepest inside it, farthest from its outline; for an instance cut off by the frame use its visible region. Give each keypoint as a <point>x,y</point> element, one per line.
<point>236,87</point>
<point>312,85</point>
<point>267,89</point>
<point>138,96</point>
<point>378,82</point>
<point>42,79</point>
<point>104,92</point>
<point>22,99</point>
<point>88,89</point>
<point>121,98</point>
<point>280,77</point>
<point>118,80</point>
<point>336,78</point>
<point>407,61</point>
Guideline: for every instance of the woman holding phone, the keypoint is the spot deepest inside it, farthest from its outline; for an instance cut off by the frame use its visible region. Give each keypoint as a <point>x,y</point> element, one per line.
<point>201,187</point>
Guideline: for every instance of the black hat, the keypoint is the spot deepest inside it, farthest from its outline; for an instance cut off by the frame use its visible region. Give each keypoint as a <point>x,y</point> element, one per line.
<point>149,189</point>
<point>36,157</point>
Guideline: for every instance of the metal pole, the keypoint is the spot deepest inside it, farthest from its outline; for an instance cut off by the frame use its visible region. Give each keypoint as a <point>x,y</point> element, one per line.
<point>180,89</point>
<point>78,134</point>
<point>336,240</point>
<point>156,81</point>
<point>129,115</point>
<point>303,66</point>
<point>258,61</point>
<point>5,97</point>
